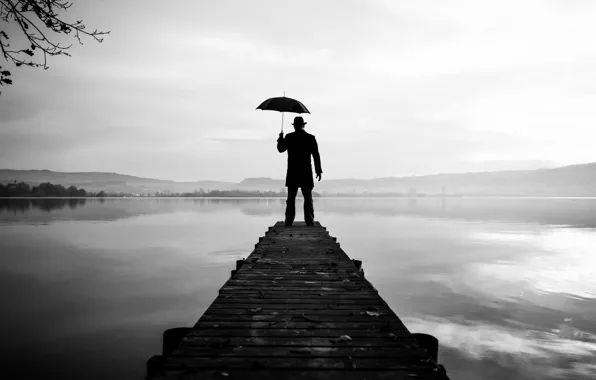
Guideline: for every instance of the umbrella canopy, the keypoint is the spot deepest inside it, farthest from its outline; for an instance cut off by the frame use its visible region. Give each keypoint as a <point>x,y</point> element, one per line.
<point>283,104</point>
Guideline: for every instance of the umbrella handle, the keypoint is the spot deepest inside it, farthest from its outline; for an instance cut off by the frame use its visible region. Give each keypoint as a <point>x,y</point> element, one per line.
<point>282,118</point>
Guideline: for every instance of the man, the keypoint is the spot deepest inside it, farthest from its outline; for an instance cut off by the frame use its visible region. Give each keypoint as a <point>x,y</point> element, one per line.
<point>300,146</point>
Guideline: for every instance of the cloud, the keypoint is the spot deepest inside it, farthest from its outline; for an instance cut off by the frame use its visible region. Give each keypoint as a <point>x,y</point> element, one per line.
<point>566,350</point>
<point>238,140</point>
<point>567,265</point>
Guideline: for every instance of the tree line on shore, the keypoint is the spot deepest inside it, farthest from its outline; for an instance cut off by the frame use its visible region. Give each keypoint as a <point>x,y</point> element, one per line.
<point>23,189</point>
<point>47,189</point>
<point>232,193</point>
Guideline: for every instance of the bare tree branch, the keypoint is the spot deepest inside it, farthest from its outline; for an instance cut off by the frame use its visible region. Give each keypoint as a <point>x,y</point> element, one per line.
<point>34,19</point>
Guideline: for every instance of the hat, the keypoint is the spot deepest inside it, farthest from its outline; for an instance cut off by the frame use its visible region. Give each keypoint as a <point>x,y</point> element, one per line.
<point>299,120</point>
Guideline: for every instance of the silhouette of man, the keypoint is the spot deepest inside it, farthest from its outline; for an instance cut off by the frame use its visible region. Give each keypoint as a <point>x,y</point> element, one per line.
<point>300,146</point>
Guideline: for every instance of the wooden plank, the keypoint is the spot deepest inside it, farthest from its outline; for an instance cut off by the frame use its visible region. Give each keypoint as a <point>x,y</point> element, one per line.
<point>307,323</point>
<point>296,273</point>
<point>193,373</point>
<point>296,289</point>
<point>324,363</point>
<point>282,330</point>
<point>347,317</point>
<point>284,351</point>
<point>329,291</point>
<point>310,312</point>
<point>256,302</point>
<point>219,342</point>
<point>355,306</point>
<point>307,284</point>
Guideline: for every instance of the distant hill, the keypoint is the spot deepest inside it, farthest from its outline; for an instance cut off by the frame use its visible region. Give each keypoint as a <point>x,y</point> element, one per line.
<point>575,180</point>
<point>110,182</point>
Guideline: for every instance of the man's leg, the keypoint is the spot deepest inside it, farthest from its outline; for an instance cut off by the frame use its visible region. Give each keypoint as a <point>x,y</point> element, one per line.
<point>291,205</point>
<point>309,211</point>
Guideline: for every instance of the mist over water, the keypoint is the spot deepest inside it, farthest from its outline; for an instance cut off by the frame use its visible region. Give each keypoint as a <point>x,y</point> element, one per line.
<point>506,285</point>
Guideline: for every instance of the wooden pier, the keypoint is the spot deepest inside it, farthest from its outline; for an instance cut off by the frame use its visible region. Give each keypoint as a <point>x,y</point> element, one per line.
<point>297,308</point>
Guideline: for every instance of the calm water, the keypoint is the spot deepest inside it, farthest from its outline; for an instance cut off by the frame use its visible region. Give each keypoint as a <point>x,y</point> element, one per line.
<point>508,286</point>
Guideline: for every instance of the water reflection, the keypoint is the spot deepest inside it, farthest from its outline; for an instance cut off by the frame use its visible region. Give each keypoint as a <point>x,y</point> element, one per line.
<point>563,260</point>
<point>507,285</point>
<point>562,352</point>
<point>20,206</point>
<point>579,213</point>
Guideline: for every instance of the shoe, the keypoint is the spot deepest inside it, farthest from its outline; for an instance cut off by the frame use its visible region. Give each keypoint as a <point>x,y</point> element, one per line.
<point>288,224</point>
<point>310,224</point>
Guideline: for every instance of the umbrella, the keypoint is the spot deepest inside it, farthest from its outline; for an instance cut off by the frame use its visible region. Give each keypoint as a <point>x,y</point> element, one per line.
<point>283,104</point>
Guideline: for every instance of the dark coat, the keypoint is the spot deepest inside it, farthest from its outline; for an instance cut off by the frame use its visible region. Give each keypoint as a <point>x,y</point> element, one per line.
<point>300,146</point>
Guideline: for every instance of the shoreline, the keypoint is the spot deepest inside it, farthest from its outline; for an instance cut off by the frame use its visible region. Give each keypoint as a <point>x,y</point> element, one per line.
<point>315,198</point>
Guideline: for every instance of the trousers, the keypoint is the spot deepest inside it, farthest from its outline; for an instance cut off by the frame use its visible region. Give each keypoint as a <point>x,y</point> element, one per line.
<point>309,212</point>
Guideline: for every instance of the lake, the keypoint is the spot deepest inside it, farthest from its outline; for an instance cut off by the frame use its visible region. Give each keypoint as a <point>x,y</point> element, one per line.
<point>508,286</point>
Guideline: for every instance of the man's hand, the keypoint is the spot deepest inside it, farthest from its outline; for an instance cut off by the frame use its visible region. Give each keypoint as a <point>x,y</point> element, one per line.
<point>319,176</point>
<point>281,135</point>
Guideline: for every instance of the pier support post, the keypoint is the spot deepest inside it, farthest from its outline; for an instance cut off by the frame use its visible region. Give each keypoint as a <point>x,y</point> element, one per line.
<point>155,367</point>
<point>429,343</point>
<point>172,339</point>
<point>240,263</point>
<point>358,264</point>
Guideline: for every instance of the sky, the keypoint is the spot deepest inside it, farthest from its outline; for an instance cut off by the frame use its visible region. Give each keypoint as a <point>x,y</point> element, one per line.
<point>394,87</point>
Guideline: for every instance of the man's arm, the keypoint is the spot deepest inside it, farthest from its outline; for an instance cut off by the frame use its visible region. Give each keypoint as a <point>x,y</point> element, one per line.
<point>281,143</point>
<point>317,158</point>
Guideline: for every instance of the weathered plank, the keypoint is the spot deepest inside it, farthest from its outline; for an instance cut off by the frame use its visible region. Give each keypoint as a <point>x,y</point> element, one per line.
<point>302,341</point>
<point>264,311</point>
<point>323,317</point>
<point>362,303</point>
<point>316,351</point>
<point>310,323</point>
<point>273,293</point>
<point>190,373</point>
<point>301,363</point>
